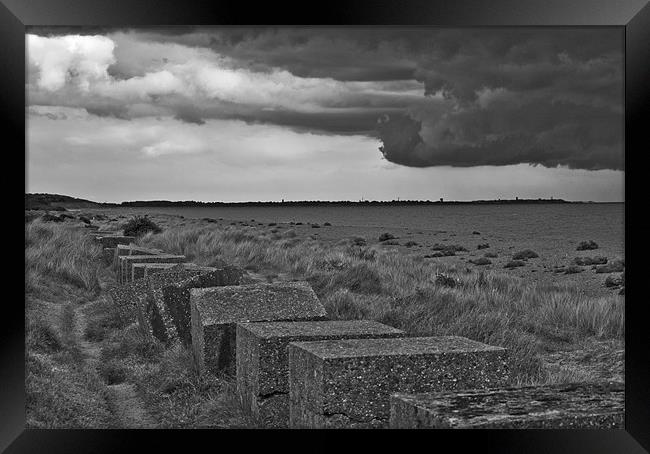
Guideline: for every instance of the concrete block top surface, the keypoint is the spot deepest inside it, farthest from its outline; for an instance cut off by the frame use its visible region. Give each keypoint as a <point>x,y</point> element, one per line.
<point>133,249</point>
<point>268,330</point>
<point>475,408</point>
<point>257,302</point>
<point>161,257</point>
<point>167,266</point>
<point>351,348</point>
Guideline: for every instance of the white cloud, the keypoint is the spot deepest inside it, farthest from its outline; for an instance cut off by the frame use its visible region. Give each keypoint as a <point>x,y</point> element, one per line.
<point>75,69</point>
<point>77,60</point>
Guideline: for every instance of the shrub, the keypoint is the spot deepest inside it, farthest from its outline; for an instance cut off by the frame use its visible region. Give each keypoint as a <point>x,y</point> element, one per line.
<point>615,267</point>
<point>525,255</point>
<point>359,241</point>
<point>47,217</point>
<point>411,243</point>
<point>514,264</point>
<point>586,261</point>
<point>587,245</point>
<point>448,248</point>
<point>386,236</point>
<point>483,246</point>
<point>573,269</point>
<point>139,226</point>
<point>490,255</point>
<point>390,243</point>
<point>480,261</point>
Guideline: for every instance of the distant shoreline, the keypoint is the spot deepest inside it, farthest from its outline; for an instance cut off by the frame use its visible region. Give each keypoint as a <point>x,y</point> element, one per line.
<point>193,204</point>
<point>54,201</point>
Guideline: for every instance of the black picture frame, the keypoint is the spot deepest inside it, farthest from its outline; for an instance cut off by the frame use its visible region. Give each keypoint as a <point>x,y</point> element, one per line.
<point>632,17</point>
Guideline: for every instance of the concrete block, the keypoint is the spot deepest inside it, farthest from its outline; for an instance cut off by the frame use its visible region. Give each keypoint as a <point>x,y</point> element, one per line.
<point>263,366</point>
<point>113,240</point>
<point>126,297</point>
<point>348,383</point>
<point>131,249</point>
<point>567,406</point>
<point>176,296</point>
<point>126,261</point>
<point>216,311</point>
<point>142,270</point>
<point>154,317</point>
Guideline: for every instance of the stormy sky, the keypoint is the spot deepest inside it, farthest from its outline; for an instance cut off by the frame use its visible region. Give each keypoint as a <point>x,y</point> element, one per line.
<point>240,114</point>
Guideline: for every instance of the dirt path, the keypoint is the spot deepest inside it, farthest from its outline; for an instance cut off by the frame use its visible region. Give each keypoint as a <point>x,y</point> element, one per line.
<point>124,402</point>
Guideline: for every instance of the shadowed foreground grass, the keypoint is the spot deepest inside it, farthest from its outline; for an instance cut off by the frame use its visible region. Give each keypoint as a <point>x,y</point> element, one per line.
<point>360,282</point>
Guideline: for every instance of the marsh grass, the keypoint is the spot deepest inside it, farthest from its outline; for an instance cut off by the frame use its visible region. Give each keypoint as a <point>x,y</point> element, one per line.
<point>62,252</point>
<point>359,282</point>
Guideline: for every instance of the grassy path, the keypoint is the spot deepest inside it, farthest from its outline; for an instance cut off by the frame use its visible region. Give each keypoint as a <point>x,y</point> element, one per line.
<point>127,407</point>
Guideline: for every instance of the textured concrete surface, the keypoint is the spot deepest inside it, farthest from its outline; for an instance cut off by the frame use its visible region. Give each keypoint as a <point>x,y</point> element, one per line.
<point>113,240</point>
<point>216,311</point>
<point>348,383</point>
<point>567,406</point>
<point>142,270</point>
<point>126,298</point>
<point>126,261</point>
<point>262,362</point>
<point>176,296</point>
<point>157,321</point>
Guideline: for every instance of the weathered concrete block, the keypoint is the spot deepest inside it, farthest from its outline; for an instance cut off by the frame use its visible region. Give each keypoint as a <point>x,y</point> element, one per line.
<point>127,260</point>
<point>567,406</point>
<point>263,366</point>
<point>154,317</point>
<point>348,383</point>
<point>142,270</point>
<point>216,311</point>
<point>126,297</point>
<point>131,249</point>
<point>113,240</point>
<point>176,296</point>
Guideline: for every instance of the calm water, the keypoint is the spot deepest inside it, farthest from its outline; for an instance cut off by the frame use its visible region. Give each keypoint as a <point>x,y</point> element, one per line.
<point>537,224</point>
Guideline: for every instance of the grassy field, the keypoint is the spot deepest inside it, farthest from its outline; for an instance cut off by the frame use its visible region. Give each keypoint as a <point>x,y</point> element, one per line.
<point>537,322</point>
<point>356,281</point>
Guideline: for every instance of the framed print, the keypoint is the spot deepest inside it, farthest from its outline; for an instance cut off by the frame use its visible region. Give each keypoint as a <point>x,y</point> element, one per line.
<point>371,221</point>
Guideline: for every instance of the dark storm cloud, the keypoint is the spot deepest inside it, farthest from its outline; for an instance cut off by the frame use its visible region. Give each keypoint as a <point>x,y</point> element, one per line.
<point>534,97</point>
<point>463,97</point>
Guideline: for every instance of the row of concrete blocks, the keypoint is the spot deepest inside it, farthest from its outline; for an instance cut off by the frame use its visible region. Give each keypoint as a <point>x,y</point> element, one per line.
<point>363,374</point>
<point>296,370</point>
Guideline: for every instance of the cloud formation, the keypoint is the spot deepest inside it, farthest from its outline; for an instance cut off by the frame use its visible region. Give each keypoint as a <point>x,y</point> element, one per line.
<point>433,97</point>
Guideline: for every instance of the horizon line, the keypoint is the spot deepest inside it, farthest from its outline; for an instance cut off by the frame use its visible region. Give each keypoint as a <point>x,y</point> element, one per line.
<point>360,201</point>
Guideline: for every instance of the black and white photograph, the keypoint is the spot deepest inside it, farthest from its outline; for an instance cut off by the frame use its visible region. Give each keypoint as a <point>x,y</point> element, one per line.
<point>325,227</point>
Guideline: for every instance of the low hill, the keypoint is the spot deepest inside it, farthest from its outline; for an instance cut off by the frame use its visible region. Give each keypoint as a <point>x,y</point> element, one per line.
<point>56,202</point>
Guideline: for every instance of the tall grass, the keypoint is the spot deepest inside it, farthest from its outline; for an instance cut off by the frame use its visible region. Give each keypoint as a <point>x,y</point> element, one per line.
<point>61,268</point>
<point>370,283</point>
<point>62,252</point>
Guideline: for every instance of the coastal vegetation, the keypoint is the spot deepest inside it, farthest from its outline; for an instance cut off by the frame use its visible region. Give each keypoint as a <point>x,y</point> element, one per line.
<point>79,350</point>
